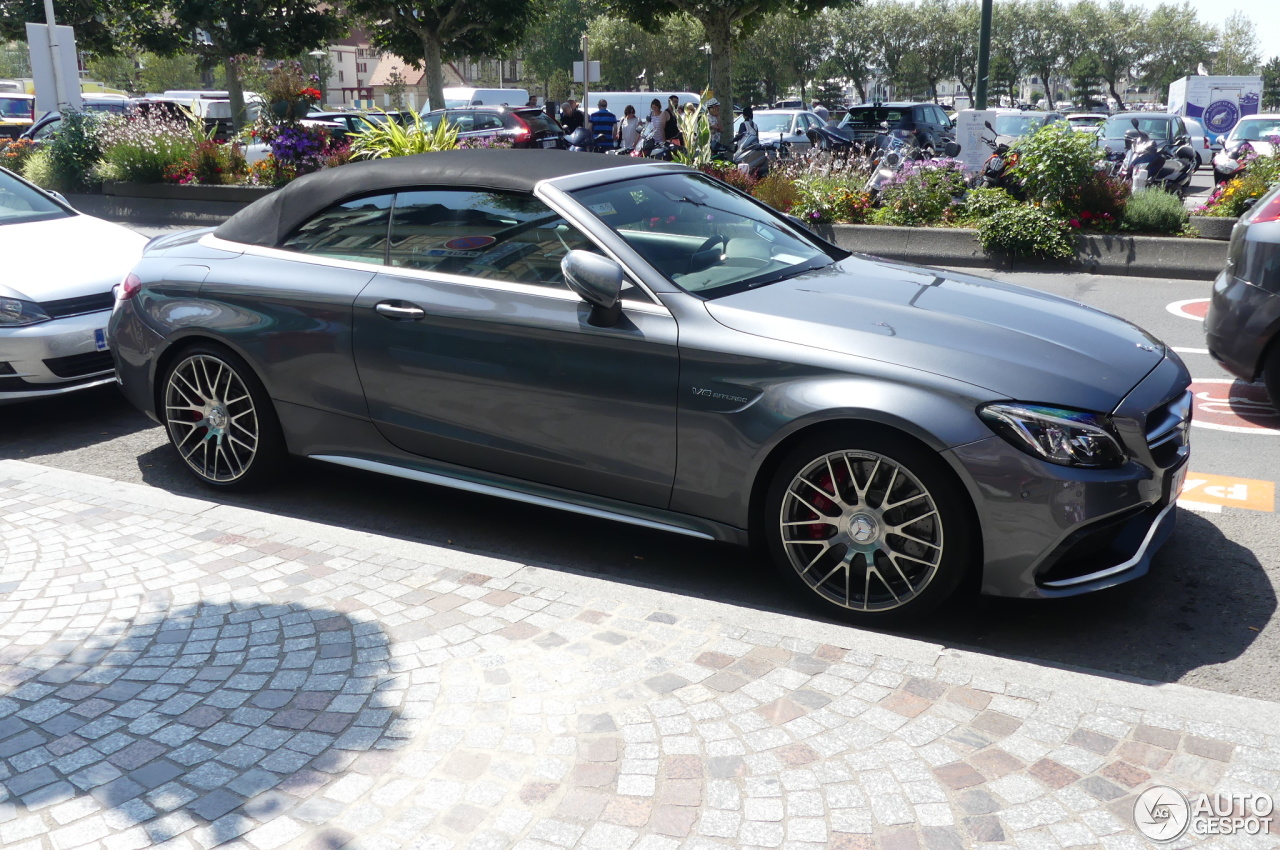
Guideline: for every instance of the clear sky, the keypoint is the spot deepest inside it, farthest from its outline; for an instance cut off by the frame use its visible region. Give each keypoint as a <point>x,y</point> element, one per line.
<point>1265,15</point>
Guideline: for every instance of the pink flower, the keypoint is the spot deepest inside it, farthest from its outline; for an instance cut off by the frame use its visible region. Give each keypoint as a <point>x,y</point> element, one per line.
<point>1074,222</point>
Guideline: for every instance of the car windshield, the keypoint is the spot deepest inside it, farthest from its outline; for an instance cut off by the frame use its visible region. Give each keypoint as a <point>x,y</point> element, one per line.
<point>1257,129</point>
<point>703,236</point>
<point>773,123</point>
<point>15,107</point>
<point>1085,120</point>
<point>1118,125</point>
<point>1018,125</point>
<point>20,203</point>
<point>873,116</point>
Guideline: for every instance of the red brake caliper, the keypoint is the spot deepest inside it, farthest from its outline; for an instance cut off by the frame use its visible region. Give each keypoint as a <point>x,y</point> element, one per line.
<point>820,530</point>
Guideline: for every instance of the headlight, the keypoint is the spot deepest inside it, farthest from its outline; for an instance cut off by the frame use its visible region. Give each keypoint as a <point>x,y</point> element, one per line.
<point>1064,437</point>
<point>14,311</point>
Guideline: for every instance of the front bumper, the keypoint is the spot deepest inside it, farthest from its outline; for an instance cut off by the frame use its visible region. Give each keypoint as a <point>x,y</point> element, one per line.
<point>1051,531</point>
<point>53,357</point>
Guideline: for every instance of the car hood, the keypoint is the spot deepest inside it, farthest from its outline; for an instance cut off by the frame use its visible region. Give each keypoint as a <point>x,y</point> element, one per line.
<point>66,257</point>
<point>1015,342</point>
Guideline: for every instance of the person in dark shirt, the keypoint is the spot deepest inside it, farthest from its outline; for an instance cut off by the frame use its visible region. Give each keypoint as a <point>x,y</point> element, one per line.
<point>602,124</point>
<point>571,117</point>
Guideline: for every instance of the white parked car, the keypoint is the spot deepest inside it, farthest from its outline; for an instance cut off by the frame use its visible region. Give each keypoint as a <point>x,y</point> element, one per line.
<point>789,125</point>
<point>1253,134</point>
<point>56,292</point>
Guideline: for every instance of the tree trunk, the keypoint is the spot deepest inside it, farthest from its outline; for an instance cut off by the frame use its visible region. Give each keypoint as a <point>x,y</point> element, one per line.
<point>433,69</point>
<point>235,93</point>
<point>1111,84</point>
<point>861,89</point>
<point>718,26</point>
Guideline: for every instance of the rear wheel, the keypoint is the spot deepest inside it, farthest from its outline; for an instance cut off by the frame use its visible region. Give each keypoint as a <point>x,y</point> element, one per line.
<point>872,526</point>
<point>220,419</point>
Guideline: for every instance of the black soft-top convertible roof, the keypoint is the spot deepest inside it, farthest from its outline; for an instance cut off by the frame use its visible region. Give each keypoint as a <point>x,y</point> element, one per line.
<point>268,221</point>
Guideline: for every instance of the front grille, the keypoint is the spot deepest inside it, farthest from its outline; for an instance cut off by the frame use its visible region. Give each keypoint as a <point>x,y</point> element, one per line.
<point>79,365</point>
<point>1167,429</point>
<point>79,306</point>
<point>1099,545</point>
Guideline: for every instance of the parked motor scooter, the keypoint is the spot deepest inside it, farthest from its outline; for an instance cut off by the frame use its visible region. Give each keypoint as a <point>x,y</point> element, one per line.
<point>997,171</point>
<point>1151,163</point>
<point>582,141</point>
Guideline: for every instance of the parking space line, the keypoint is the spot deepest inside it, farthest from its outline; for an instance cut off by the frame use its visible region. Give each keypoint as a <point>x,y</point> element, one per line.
<point>1180,350</point>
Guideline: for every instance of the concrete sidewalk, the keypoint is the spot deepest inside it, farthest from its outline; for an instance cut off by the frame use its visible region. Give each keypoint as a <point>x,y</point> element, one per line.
<point>184,674</point>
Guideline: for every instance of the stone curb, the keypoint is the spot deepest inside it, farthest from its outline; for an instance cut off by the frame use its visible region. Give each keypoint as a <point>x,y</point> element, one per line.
<point>1140,256</point>
<point>1223,709</point>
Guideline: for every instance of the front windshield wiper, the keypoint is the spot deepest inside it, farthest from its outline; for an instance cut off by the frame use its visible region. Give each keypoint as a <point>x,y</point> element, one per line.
<point>794,271</point>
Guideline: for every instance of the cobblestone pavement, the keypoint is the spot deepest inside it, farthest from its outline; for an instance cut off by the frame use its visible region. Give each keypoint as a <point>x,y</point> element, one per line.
<point>182,675</point>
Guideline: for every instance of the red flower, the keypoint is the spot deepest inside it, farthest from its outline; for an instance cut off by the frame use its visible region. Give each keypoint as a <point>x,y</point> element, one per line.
<point>1074,222</point>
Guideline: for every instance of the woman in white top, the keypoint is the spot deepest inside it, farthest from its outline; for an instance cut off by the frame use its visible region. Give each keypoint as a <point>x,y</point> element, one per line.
<point>627,131</point>
<point>656,120</point>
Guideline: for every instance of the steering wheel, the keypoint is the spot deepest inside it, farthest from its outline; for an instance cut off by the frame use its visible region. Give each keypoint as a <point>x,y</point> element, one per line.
<point>706,246</point>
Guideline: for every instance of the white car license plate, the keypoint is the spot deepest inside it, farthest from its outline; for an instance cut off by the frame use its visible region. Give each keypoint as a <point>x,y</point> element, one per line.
<point>100,339</point>
<point>1179,479</point>
<point>548,143</point>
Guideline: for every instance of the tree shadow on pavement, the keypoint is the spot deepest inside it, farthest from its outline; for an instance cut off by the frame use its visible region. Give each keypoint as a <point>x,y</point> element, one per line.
<point>214,717</point>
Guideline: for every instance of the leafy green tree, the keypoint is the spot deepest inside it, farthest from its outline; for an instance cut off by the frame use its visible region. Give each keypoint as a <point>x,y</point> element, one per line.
<point>427,32</point>
<point>1086,80</point>
<point>159,73</point>
<point>1174,42</point>
<point>1044,41</point>
<point>1271,85</point>
<point>1237,42</point>
<point>851,39</point>
<point>937,48</point>
<point>103,27</point>
<point>14,59</point>
<point>1109,32</point>
<point>793,42</point>
<point>553,40</point>
<point>120,72</point>
<point>1009,27</point>
<point>895,34</point>
<point>966,19</point>
<point>719,19</point>
<point>668,59</point>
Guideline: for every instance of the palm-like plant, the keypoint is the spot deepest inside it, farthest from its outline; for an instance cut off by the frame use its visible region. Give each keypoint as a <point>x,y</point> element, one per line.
<point>388,139</point>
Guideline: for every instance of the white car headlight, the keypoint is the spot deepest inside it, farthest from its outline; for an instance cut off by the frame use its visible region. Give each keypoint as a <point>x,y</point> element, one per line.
<point>15,311</point>
<point>1064,437</point>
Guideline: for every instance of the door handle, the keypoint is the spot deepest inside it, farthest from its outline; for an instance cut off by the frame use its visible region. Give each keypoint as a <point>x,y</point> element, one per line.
<point>400,311</point>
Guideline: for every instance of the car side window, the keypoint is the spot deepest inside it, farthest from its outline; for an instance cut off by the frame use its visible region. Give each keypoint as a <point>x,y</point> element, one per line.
<point>464,121</point>
<point>505,236</point>
<point>47,131</point>
<point>354,230</point>
<point>486,121</point>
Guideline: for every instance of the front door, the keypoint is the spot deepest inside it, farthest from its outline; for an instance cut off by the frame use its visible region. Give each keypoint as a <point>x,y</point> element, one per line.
<point>473,351</point>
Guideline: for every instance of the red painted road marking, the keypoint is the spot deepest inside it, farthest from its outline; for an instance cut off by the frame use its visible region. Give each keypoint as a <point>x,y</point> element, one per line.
<point>1227,404</point>
<point>1192,308</point>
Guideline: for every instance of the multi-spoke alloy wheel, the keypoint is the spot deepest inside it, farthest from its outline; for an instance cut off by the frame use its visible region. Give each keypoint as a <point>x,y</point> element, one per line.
<point>869,529</point>
<point>213,418</point>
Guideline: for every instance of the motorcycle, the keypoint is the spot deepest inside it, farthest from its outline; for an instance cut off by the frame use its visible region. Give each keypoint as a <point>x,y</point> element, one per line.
<point>582,141</point>
<point>895,147</point>
<point>1150,163</point>
<point>997,171</point>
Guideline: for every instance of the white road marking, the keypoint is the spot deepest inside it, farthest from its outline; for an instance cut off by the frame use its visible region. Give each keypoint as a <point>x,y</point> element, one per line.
<point>1189,350</point>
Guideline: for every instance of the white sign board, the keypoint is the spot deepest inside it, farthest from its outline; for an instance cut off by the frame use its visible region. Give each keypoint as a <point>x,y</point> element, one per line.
<point>595,71</point>
<point>970,131</point>
<point>48,97</point>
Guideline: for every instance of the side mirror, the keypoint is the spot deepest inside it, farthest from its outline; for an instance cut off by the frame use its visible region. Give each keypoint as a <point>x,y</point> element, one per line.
<point>598,281</point>
<point>987,124</point>
<point>1134,122</point>
<point>951,149</point>
<point>1249,203</point>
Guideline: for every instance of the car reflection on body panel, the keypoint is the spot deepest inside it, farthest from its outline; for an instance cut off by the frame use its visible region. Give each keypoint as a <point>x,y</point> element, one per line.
<point>642,343</point>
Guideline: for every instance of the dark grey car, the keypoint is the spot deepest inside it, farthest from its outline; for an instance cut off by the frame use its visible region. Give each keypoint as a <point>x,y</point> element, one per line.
<point>1242,327</point>
<point>638,341</point>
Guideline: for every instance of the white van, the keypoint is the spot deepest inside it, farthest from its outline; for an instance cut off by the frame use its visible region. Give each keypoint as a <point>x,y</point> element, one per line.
<point>619,100</point>
<point>456,96</point>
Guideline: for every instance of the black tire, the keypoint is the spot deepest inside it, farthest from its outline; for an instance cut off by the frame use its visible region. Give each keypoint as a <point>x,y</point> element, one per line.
<point>219,418</point>
<point>1271,373</point>
<point>927,567</point>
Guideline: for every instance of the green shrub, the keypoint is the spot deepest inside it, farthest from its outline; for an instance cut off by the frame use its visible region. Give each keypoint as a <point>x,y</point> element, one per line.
<point>73,153</point>
<point>823,200</point>
<point>388,139</point>
<point>38,168</point>
<point>1154,211</point>
<point>921,193</point>
<point>1053,163</point>
<point>1229,198</point>
<point>1026,231</point>
<point>980,204</point>
<point>778,191</point>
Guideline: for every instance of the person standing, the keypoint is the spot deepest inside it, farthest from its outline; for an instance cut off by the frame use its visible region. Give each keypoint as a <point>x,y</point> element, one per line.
<point>571,117</point>
<point>713,119</point>
<point>748,134</point>
<point>822,112</point>
<point>603,123</point>
<point>657,122</point>
<point>627,131</point>
<point>671,121</point>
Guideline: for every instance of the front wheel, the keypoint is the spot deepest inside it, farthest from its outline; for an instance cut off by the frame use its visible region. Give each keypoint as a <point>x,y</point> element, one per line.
<point>874,527</point>
<point>220,418</point>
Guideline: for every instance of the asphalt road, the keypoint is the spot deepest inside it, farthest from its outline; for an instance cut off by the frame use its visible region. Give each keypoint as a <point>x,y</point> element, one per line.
<point>1205,616</point>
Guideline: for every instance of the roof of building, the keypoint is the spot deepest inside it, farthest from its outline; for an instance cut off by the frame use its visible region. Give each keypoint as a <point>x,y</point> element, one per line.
<point>268,221</point>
